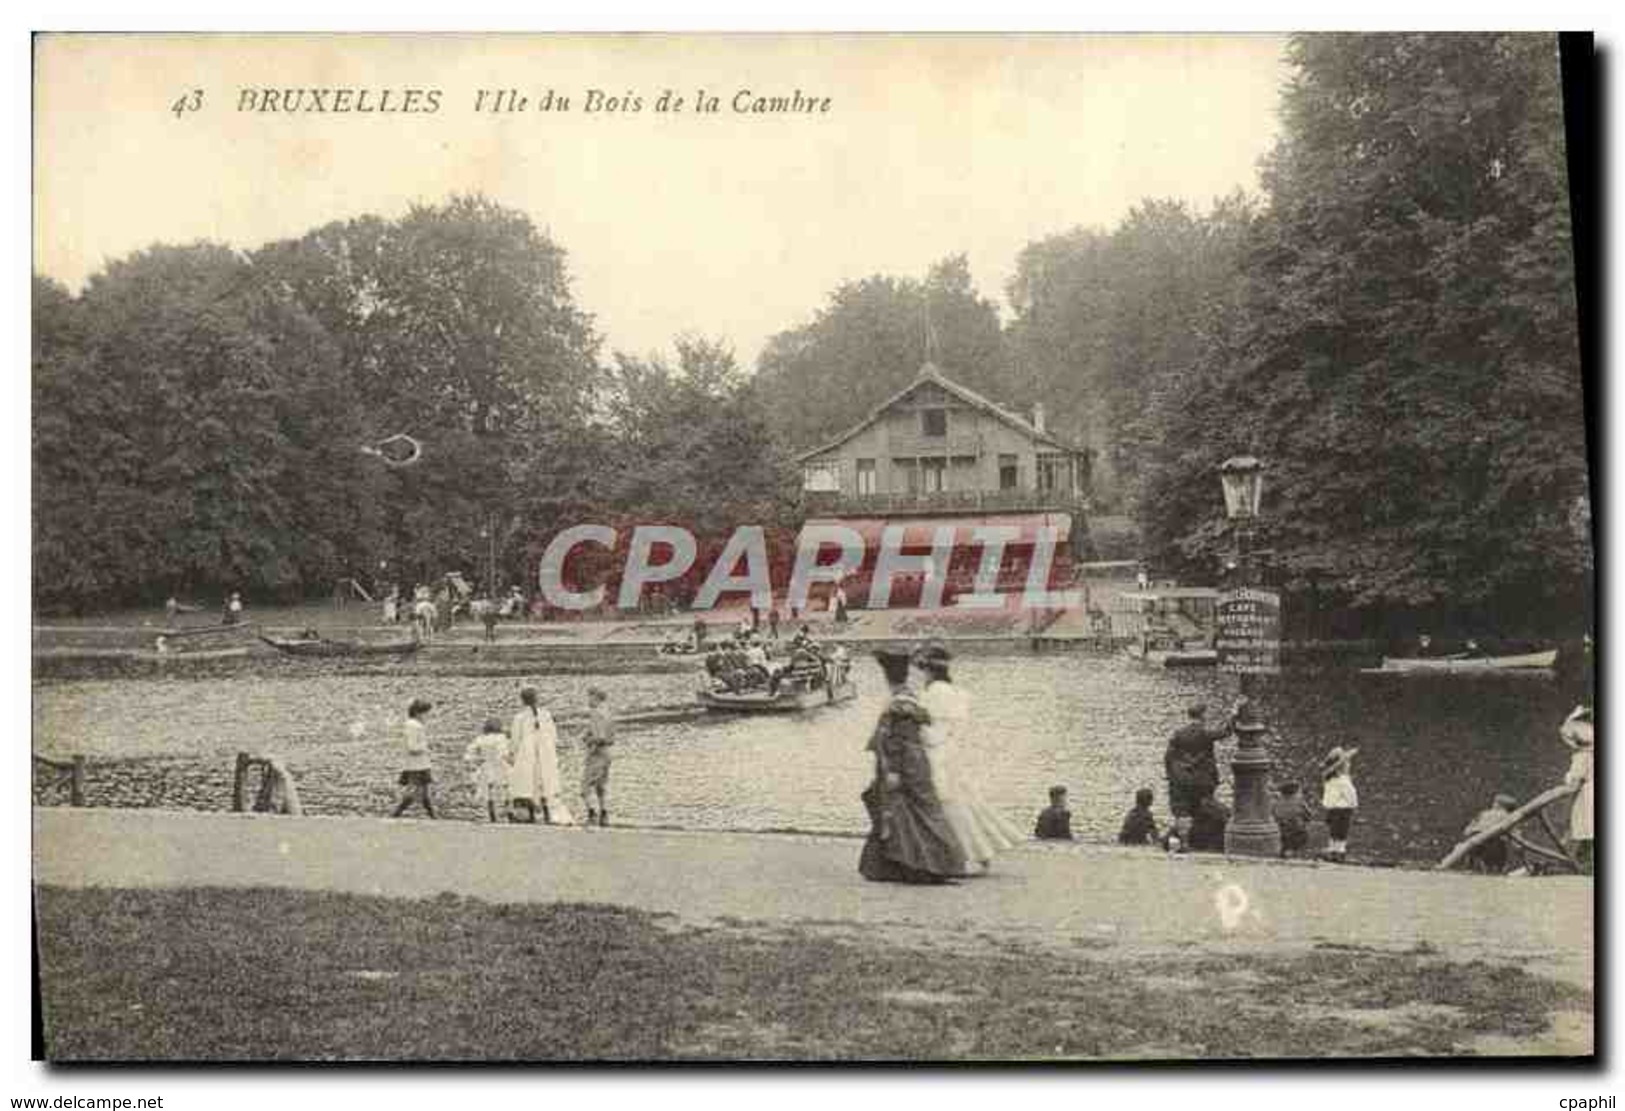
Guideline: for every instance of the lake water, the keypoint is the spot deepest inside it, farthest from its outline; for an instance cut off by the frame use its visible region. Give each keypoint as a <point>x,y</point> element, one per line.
<point>1433,750</point>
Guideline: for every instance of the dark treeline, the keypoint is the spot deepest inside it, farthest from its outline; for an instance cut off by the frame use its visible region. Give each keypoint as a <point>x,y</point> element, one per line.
<point>199,415</point>
<point>1391,325</point>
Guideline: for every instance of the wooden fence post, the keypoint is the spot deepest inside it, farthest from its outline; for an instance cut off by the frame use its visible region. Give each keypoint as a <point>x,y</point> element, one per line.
<point>239,784</point>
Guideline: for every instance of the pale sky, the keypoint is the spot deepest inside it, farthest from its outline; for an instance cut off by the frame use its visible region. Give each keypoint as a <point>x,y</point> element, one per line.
<point>726,224</point>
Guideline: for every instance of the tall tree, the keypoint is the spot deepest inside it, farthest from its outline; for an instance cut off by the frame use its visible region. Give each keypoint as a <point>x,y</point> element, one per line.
<point>1109,325</point>
<point>188,434</point>
<point>869,341</point>
<point>1405,352</point>
<point>457,325</point>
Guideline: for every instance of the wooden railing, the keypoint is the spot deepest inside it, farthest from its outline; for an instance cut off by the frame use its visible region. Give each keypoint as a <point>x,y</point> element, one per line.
<point>69,774</point>
<point>277,794</point>
<point>946,501</point>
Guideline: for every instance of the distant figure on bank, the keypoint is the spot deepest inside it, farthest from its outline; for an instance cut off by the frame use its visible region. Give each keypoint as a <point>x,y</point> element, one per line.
<point>487,610</point>
<point>487,760</point>
<point>233,611</point>
<point>910,840</point>
<point>1142,578</point>
<point>1424,646</point>
<point>1192,769</point>
<point>1472,651</point>
<point>392,606</point>
<point>534,758</point>
<point>1579,733</point>
<point>1339,800</point>
<point>599,740</point>
<point>172,609</point>
<point>699,634</point>
<point>840,604</point>
<point>1491,857</point>
<point>1055,820</point>
<point>415,766</point>
<point>424,614</point>
<point>1139,825</point>
<point>1291,812</point>
<point>773,621</point>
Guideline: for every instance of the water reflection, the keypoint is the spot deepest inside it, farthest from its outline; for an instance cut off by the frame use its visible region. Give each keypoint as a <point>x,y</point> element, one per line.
<point>1433,749</point>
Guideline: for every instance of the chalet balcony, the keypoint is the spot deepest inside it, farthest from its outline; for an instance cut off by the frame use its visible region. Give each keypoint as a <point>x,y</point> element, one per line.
<point>824,504</point>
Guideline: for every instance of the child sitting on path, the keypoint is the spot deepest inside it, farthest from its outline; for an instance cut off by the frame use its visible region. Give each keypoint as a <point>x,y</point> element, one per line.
<point>595,764</point>
<point>1291,812</point>
<point>1491,856</point>
<point>487,760</point>
<point>1139,826</point>
<point>1339,800</point>
<point>1055,820</point>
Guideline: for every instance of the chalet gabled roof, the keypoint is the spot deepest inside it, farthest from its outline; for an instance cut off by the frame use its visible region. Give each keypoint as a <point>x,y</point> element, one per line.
<point>929,373</point>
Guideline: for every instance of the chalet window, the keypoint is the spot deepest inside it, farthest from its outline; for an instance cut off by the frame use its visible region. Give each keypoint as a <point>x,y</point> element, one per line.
<point>962,472</point>
<point>1009,472</point>
<point>932,475</point>
<point>909,469</point>
<point>934,422</point>
<point>822,477</point>
<point>1055,473</point>
<point>866,476</point>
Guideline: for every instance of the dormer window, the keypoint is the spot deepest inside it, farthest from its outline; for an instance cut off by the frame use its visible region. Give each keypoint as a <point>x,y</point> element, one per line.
<point>934,422</point>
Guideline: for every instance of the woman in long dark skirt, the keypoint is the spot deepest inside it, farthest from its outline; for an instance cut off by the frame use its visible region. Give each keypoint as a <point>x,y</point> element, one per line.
<point>910,840</point>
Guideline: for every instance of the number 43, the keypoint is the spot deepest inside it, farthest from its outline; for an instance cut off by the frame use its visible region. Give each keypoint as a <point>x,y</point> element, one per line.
<point>187,102</point>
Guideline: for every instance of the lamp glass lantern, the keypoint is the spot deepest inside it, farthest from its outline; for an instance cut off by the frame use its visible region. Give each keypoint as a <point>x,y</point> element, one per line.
<point>1243,479</point>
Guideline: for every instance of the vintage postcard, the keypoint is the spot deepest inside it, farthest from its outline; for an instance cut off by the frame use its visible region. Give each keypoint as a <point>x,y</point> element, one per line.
<point>839,548</point>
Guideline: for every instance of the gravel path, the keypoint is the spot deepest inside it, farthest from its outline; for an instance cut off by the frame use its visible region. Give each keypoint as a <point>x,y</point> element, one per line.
<point>1064,896</point>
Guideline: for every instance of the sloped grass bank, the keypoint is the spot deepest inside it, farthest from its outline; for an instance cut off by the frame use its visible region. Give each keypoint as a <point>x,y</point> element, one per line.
<point>212,974</point>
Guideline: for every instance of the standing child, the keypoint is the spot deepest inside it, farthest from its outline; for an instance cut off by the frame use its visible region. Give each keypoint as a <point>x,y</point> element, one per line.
<point>487,760</point>
<point>1055,820</point>
<point>415,767</point>
<point>595,764</point>
<point>1139,825</point>
<point>1339,800</point>
<point>1291,812</point>
<point>1579,733</point>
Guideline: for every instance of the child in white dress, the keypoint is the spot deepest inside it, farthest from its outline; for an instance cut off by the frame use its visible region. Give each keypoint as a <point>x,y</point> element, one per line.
<point>487,759</point>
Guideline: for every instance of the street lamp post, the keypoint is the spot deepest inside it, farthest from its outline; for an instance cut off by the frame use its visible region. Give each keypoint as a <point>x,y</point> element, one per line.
<point>1252,830</point>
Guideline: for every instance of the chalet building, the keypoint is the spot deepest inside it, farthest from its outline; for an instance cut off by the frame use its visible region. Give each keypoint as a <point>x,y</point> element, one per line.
<point>938,453</point>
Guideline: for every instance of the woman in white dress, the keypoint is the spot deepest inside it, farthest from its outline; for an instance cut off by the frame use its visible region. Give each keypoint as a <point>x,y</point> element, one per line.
<point>979,828</point>
<point>535,760</point>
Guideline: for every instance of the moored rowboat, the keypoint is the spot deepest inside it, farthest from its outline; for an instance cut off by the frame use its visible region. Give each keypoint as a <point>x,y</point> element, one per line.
<point>1528,661</point>
<point>319,648</point>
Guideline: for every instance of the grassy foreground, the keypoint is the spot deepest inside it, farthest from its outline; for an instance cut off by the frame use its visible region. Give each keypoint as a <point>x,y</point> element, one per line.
<point>211,974</point>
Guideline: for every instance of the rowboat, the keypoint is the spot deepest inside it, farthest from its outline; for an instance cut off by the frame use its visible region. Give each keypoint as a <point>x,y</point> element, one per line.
<point>321,648</point>
<point>1175,657</point>
<point>790,698</point>
<point>1452,665</point>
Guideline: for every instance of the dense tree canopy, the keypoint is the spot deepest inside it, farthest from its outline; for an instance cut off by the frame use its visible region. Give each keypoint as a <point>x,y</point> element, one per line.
<point>1404,353</point>
<point>1391,326</point>
<point>869,341</point>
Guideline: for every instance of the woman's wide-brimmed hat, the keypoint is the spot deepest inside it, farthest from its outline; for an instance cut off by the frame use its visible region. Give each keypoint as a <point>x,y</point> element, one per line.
<point>932,652</point>
<point>1337,758</point>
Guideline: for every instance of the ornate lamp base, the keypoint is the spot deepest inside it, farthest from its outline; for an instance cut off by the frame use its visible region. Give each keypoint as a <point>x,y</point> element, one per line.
<point>1252,830</point>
